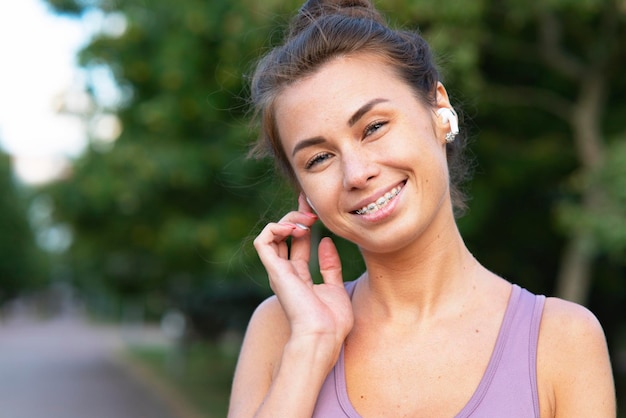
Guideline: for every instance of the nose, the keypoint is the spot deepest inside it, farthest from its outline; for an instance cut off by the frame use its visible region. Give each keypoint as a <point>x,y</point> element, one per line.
<point>358,169</point>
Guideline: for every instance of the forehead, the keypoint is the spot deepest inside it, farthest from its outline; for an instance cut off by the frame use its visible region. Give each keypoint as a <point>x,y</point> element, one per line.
<point>334,92</point>
<point>343,77</point>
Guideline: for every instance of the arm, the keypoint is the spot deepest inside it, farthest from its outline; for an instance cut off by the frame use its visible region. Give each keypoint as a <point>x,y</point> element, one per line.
<point>574,363</point>
<point>276,376</point>
<point>293,339</point>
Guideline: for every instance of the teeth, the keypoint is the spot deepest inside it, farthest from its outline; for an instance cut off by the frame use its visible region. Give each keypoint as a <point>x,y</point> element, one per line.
<point>380,202</point>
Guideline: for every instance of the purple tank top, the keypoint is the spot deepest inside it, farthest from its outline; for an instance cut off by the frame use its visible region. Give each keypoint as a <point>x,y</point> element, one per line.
<point>507,389</point>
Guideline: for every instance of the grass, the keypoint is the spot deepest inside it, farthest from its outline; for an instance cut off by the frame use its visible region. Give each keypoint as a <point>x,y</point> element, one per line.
<point>200,372</point>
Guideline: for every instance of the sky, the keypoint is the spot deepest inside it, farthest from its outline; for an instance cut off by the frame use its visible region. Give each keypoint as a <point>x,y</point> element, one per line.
<point>37,68</point>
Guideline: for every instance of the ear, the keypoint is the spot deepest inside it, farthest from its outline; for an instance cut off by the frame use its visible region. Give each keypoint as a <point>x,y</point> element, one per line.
<point>442,97</point>
<point>446,120</point>
<point>448,115</point>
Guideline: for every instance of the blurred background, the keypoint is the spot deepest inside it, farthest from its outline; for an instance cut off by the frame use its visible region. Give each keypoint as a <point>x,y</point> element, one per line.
<point>128,206</point>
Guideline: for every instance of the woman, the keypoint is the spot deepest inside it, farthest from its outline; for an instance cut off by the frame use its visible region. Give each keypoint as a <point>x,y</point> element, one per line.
<point>354,113</point>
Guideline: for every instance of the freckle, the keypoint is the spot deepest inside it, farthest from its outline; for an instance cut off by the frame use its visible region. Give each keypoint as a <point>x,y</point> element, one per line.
<point>477,331</point>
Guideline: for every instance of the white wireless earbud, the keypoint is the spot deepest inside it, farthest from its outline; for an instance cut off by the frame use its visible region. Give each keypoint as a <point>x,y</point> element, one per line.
<point>448,115</point>
<point>309,202</point>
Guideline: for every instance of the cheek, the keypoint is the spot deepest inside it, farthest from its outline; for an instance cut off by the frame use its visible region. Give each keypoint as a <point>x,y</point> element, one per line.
<point>318,193</point>
<point>420,152</point>
<point>324,198</point>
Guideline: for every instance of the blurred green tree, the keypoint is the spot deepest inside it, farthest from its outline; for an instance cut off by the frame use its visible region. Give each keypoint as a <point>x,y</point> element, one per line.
<point>163,214</point>
<point>571,71</point>
<point>21,262</point>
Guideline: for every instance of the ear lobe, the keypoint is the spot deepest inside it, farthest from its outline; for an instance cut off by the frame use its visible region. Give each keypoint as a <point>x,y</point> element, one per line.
<point>448,115</point>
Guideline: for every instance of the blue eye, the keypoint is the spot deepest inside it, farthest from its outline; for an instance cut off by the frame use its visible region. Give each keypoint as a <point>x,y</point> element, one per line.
<point>317,159</point>
<point>373,127</point>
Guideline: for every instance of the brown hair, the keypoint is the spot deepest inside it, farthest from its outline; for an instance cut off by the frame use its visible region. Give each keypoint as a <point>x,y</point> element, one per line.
<point>323,30</point>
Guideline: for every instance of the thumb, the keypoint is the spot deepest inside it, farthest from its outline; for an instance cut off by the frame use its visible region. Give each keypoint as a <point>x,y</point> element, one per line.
<point>330,264</point>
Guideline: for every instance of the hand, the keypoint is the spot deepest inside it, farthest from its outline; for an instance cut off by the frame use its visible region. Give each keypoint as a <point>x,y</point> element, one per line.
<point>322,311</point>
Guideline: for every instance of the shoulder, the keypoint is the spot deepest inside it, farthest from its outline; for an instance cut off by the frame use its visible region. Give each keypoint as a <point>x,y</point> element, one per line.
<point>566,322</point>
<point>260,356</point>
<point>573,364</point>
<point>268,329</point>
<point>569,322</point>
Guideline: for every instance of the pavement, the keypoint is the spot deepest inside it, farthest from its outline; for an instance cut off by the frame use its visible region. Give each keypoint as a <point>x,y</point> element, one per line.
<point>69,368</point>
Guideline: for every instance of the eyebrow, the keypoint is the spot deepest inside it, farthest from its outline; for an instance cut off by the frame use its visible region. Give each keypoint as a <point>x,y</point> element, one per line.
<point>307,143</point>
<point>351,122</point>
<point>364,109</point>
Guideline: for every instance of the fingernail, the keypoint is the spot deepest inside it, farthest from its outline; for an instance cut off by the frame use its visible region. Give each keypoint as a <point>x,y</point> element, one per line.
<point>310,215</point>
<point>306,228</point>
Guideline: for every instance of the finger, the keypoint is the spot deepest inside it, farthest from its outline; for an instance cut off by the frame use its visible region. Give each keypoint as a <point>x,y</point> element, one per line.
<point>271,244</point>
<point>330,264</point>
<point>301,246</point>
<point>274,233</point>
<point>301,242</point>
<point>303,218</point>
<point>300,252</point>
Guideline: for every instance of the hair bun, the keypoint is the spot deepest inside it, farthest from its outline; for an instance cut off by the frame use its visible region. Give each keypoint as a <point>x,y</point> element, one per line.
<point>314,9</point>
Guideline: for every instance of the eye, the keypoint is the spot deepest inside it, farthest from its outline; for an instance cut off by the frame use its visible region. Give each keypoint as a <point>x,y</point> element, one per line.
<point>317,159</point>
<point>373,127</point>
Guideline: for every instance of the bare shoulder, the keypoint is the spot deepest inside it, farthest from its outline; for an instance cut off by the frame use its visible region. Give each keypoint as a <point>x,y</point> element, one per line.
<point>259,359</point>
<point>570,336</point>
<point>574,369</point>
<point>270,310</point>
<point>268,331</point>
<point>569,321</point>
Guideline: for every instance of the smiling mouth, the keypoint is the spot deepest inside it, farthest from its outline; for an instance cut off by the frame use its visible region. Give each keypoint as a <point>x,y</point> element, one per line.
<point>380,202</point>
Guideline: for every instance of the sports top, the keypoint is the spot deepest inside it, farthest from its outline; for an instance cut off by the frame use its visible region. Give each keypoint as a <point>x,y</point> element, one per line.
<point>508,387</point>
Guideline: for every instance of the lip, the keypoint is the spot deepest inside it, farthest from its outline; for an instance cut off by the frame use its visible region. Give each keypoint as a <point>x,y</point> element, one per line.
<point>375,196</point>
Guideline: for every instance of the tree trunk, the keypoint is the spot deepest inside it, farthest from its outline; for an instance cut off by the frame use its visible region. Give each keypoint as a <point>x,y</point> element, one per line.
<point>574,278</point>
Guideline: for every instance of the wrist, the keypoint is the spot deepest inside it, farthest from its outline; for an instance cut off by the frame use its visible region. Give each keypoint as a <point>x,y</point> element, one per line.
<point>305,364</point>
<point>316,353</point>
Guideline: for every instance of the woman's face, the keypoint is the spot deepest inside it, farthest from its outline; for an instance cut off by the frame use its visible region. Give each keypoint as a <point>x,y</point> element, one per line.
<point>366,152</point>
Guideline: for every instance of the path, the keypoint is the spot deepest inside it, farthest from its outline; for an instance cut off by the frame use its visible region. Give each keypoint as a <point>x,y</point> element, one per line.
<point>66,368</point>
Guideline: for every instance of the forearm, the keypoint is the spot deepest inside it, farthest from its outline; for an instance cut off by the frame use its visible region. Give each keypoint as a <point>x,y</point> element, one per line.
<point>296,386</point>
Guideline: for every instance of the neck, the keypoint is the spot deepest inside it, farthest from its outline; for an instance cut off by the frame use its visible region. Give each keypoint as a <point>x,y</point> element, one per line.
<point>418,282</point>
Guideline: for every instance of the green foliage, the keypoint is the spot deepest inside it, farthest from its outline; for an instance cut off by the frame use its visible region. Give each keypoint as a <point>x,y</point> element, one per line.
<point>170,206</point>
<point>201,372</point>
<point>21,263</point>
<point>454,31</point>
<point>70,7</point>
<point>606,222</point>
